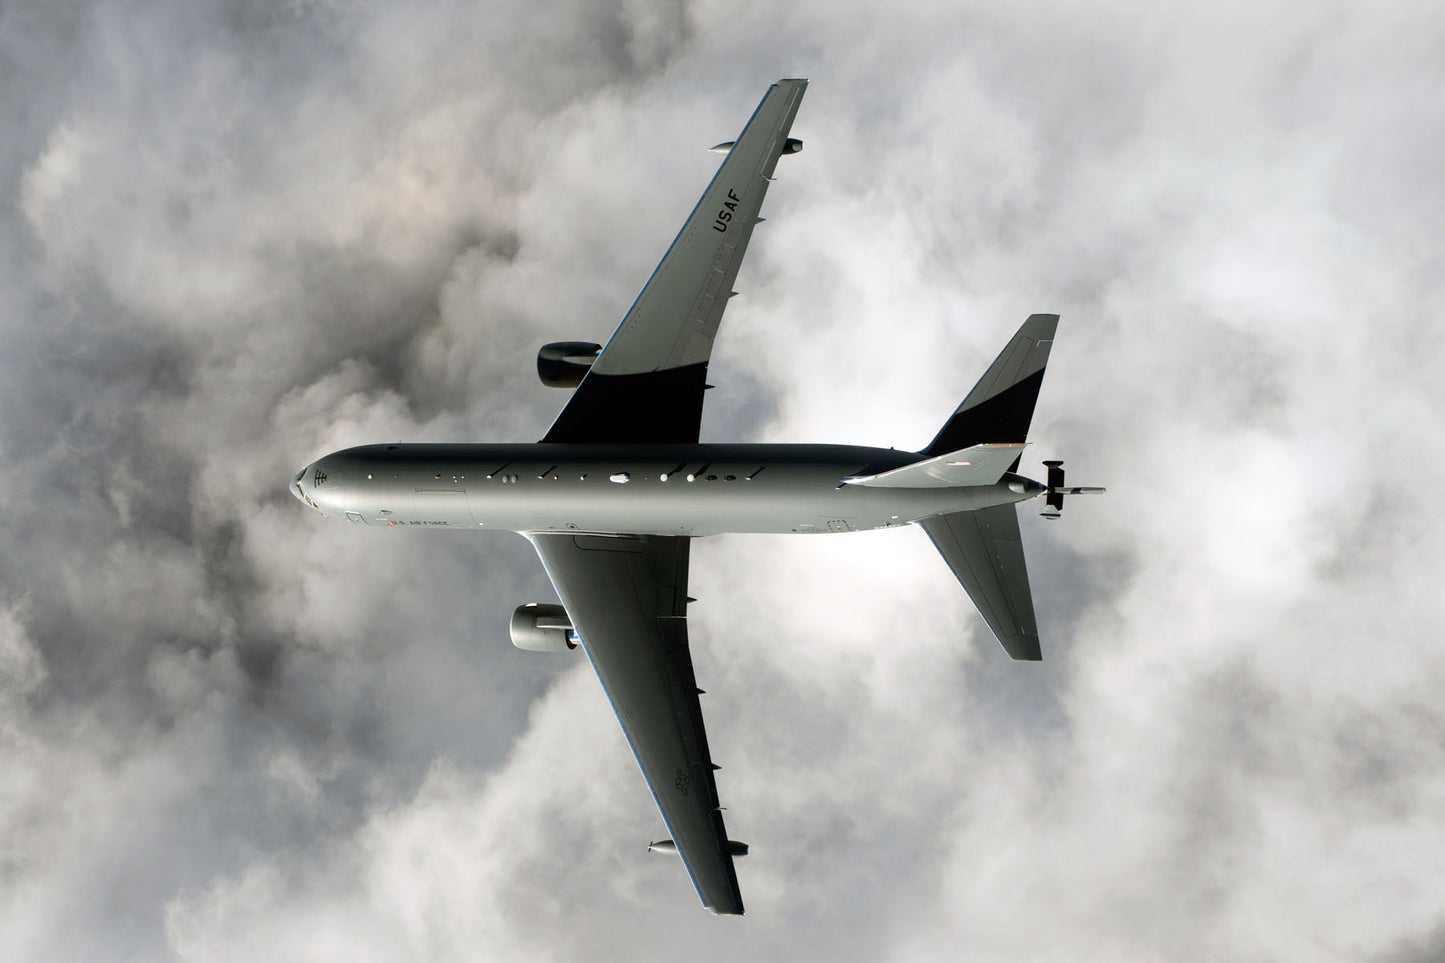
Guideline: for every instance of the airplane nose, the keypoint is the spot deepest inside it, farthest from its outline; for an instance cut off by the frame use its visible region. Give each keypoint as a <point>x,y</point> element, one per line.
<point>309,485</point>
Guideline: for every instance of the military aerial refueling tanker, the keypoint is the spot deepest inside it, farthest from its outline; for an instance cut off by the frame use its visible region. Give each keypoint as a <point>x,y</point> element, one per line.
<point>613,494</point>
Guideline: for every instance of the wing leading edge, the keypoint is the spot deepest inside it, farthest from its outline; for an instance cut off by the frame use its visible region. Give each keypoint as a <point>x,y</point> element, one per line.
<point>647,384</point>
<point>627,598</point>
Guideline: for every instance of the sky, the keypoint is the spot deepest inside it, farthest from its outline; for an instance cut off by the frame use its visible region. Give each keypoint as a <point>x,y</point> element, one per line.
<point>235,236</point>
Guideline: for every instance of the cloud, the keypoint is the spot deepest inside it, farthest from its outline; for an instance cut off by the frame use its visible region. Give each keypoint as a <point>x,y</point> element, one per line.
<point>240,236</point>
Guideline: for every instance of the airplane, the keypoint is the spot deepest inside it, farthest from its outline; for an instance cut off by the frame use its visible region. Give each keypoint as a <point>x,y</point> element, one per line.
<point>616,490</point>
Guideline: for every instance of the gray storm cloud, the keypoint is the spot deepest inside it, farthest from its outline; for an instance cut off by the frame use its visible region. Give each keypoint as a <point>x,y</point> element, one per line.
<point>238,236</point>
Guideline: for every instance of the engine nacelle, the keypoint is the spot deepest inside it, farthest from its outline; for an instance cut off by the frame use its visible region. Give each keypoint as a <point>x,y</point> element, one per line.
<point>543,627</point>
<point>562,364</point>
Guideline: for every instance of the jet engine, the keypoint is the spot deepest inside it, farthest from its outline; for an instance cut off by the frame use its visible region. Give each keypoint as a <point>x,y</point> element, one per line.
<point>562,364</point>
<point>543,627</point>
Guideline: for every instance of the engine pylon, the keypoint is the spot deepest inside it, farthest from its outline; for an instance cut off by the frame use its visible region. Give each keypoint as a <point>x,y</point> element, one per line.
<point>1055,491</point>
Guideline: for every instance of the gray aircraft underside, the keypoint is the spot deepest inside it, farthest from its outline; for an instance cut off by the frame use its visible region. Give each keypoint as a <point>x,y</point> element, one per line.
<point>613,495</point>
<point>665,490</point>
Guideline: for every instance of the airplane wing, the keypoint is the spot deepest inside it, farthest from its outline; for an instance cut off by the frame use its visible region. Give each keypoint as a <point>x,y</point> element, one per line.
<point>627,599</point>
<point>986,553</point>
<point>647,384</point>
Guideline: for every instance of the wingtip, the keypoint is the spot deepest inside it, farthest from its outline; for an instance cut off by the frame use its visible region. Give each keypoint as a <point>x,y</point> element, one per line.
<point>1023,648</point>
<point>1040,325</point>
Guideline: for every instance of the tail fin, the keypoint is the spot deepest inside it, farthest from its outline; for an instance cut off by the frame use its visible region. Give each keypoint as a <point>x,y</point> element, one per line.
<point>999,408</point>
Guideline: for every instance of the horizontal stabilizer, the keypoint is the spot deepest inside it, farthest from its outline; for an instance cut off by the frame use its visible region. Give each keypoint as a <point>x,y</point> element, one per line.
<point>979,465</point>
<point>987,556</point>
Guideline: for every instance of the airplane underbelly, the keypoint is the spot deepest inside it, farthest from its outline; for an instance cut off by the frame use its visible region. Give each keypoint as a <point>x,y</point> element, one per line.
<point>696,512</point>
<point>639,497</point>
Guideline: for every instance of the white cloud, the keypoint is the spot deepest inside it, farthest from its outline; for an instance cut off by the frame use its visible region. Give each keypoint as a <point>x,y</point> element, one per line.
<point>245,235</point>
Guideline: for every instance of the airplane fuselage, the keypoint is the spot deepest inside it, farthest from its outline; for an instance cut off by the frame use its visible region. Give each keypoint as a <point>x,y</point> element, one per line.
<point>688,490</point>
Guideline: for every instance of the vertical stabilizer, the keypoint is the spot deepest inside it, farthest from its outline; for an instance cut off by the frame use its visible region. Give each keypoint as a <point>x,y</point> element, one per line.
<point>999,408</point>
